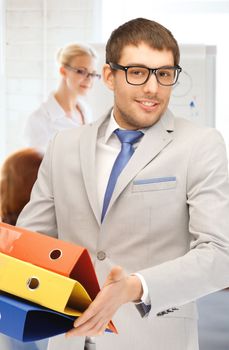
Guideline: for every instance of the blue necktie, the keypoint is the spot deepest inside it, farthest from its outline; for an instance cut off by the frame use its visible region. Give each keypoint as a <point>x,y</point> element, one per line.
<point>127,139</point>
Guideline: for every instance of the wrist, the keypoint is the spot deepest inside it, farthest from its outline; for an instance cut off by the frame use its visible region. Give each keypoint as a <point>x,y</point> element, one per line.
<point>135,288</point>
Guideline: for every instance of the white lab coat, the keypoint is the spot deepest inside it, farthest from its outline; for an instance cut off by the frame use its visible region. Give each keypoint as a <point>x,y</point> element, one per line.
<point>50,118</point>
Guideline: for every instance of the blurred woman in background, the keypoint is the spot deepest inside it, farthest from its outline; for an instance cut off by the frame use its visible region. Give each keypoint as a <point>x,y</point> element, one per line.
<point>65,107</point>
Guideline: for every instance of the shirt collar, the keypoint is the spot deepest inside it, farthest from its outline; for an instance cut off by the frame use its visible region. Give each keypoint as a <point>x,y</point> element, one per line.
<point>111,127</point>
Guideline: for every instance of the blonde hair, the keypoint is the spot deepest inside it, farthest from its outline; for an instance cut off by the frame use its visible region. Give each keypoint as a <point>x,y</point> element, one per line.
<point>70,51</point>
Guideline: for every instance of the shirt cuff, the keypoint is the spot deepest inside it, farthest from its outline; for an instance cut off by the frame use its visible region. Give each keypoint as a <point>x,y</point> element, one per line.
<point>145,296</point>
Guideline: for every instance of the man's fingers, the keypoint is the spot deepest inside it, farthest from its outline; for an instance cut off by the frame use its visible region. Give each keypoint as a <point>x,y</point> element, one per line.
<point>92,327</point>
<point>87,328</point>
<point>90,315</point>
<point>101,305</point>
<point>95,319</point>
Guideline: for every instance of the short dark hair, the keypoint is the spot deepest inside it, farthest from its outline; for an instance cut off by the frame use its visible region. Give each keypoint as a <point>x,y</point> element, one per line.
<point>141,30</point>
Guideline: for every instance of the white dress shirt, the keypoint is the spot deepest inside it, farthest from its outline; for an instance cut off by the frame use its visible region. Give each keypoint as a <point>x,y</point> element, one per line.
<point>50,118</point>
<point>107,149</point>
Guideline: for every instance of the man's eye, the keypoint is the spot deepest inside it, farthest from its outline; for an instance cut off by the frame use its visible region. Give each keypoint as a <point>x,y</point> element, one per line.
<point>165,73</point>
<point>137,72</point>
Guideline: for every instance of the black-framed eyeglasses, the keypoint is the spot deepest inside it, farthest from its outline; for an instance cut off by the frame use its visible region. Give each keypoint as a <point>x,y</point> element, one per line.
<point>83,72</point>
<point>139,75</point>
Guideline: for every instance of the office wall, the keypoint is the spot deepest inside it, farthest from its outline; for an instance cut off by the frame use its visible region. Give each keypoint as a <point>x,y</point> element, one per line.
<point>2,80</point>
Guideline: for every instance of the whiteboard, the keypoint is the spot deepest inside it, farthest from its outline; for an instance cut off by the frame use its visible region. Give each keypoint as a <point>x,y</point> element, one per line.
<point>193,97</point>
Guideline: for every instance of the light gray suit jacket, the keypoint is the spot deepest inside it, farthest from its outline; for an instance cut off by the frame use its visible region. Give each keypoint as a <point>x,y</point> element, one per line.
<point>168,219</point>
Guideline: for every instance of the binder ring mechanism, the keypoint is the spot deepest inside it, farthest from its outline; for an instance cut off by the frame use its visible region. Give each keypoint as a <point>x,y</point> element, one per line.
<point>55,254</point>
<point>33,283</point>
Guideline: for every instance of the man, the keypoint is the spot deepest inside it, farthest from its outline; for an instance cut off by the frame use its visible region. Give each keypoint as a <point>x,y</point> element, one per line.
<point>155,219</point>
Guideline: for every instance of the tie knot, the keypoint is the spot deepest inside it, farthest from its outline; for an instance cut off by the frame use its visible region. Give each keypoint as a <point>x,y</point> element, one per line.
<point>128,136</point>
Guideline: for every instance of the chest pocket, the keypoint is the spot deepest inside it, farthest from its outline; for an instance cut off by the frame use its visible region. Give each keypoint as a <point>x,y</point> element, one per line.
<point>154,184</point>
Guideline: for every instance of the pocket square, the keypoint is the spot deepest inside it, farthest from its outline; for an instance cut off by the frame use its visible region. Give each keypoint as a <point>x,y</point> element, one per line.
<point>155,180</point>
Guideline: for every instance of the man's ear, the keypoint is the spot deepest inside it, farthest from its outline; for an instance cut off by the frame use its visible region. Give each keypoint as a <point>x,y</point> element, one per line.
<point>108,76</point>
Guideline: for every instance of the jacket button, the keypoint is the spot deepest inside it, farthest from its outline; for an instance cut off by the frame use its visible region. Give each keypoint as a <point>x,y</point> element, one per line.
<point>101,255</point>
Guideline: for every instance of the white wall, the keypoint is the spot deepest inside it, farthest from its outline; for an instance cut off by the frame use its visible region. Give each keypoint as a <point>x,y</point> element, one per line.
<point>2,82</point>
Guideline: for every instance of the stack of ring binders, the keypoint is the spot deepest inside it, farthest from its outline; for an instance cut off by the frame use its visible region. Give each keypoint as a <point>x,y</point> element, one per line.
<point>45,283</point>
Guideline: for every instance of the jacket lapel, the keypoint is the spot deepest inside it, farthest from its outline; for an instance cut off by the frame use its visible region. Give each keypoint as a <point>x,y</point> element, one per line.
<point>156,138</point>
<point>87,159</point>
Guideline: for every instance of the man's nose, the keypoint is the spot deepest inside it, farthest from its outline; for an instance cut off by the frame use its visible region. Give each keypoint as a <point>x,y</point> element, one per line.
<point>152,84</point>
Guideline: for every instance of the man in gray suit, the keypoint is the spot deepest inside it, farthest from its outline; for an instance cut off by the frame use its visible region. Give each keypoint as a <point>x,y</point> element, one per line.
<point>147,194</point>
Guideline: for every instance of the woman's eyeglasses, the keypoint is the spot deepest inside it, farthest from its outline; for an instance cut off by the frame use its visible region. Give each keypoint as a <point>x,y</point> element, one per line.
<point>83,72</point>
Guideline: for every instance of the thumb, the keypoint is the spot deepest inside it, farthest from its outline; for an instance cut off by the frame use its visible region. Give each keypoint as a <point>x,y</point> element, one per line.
<point>115,275</point>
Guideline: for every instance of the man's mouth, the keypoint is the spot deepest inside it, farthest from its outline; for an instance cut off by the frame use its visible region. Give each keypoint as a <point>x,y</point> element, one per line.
<point>148,103</point>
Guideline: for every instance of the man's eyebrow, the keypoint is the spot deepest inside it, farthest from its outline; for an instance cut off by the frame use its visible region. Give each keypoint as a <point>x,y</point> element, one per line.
<point>135,64</point>
<point>146,66</point>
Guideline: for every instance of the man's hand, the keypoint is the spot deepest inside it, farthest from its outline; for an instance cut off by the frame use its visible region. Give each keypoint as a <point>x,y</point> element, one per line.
<point>118,289</point>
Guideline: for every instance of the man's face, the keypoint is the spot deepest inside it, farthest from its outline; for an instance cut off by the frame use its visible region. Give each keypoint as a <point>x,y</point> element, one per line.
<point>141,106</point>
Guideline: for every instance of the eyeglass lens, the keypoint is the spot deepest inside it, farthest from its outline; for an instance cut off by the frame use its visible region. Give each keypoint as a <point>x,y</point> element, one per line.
<point>139,75</point>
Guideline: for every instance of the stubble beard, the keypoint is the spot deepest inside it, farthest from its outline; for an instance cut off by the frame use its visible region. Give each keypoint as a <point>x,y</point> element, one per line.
<point>129,122</point>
